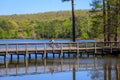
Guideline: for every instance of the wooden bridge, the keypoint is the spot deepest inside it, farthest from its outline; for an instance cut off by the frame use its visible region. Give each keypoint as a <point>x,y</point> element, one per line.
<point>44,49</point>
<point>75,48</point>
<point>26,48</point>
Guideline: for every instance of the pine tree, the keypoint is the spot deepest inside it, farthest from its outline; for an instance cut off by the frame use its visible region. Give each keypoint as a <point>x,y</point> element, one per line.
<point>73,19</point>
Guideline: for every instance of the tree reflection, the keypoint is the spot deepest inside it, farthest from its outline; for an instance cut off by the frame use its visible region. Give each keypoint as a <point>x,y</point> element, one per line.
<point>110,72</point>
<point>98,69</point>
<point>96,75</point>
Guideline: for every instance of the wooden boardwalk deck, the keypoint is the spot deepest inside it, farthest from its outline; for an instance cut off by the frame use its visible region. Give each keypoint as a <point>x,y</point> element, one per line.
<point>76,47</point>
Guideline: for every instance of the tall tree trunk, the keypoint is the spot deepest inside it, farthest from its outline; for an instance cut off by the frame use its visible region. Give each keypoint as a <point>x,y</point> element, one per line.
<point>104,21</point>
<point>117,19</point>
<point>73,21</point>
<point>108,21</point>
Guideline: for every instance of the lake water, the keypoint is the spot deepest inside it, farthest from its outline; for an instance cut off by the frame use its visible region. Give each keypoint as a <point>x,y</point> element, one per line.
<point>82,68</point>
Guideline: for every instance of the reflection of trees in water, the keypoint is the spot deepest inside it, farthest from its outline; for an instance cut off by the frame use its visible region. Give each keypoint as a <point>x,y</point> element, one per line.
<point>108,73</point>
<point>107,70</point>
<point>96,75</point>
<point>113,75</point>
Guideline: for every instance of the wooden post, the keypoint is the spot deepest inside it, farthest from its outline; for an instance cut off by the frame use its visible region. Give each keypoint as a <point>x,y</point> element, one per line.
<point>95,47</point>
<point>6,49</point>
<point>44,56</point>
<point>61,54</point>
<point>86,49</point>
<point>77,49</point>
<point>69,45</point>
<point>17,47</point>
<point>69,52</point>
<point>36,46</point>
<point>26,61</point>
<point>86,45</point>
<point>110,46</point>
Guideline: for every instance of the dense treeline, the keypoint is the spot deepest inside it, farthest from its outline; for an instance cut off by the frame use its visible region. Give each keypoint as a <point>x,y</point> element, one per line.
<point>106,19</point>
<point>101,22</point>
<point>45,25</point>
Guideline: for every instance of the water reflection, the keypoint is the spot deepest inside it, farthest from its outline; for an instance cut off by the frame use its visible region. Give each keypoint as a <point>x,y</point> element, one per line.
<point>98,68</point>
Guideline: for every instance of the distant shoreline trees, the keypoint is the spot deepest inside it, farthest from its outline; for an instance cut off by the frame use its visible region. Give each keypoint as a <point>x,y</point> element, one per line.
<point>46,25</point>
<point>102,22</point>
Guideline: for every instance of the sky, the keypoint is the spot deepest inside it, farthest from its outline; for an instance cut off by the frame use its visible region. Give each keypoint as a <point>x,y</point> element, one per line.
<point>9,7</point>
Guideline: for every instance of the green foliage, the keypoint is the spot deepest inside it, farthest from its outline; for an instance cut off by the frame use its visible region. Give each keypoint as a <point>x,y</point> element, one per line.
<point>105,19</point>
<point>46,25</point>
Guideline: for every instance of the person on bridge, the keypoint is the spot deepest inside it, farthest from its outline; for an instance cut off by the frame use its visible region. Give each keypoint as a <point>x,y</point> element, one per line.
<point>53,44</point>
<point>52,40</point>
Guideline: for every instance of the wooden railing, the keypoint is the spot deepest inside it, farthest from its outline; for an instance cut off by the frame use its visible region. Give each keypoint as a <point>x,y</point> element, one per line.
<point>6,47</point>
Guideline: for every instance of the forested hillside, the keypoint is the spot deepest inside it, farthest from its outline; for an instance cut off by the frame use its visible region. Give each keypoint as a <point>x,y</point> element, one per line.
<point>45,25</point>
<point>101,22</point>
<point>90,24</point>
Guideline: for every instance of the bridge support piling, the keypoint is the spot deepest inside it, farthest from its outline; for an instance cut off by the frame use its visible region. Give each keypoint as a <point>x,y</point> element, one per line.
<point>36,57</point>
<point>59,55</point>
<point>81,54</point>
<point>46,55</point>
<point>29,57</point>
<point>11,58</point>
<point>87,54</point>
<point>42,55</point>
<point>18,58</point>
<point>63,55</point>
<point>4,59</point>
<point>68,54</point>
<point>53,55</point>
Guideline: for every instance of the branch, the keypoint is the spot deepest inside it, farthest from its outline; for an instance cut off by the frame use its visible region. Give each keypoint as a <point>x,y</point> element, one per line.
<point>65,0</point>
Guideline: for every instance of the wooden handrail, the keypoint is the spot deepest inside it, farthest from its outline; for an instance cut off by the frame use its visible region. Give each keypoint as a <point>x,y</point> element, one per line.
<point>57,45</point>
